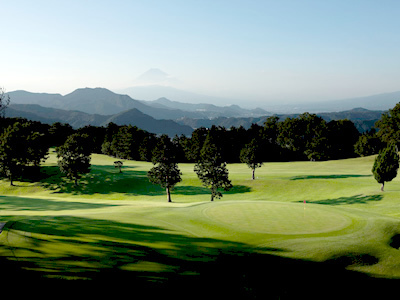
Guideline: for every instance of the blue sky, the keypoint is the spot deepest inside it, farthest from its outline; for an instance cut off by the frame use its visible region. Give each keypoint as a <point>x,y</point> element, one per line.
<point>260,51</point>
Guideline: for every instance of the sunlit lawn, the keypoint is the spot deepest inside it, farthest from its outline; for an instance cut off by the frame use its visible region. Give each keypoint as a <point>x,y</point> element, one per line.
<point>294,216</point>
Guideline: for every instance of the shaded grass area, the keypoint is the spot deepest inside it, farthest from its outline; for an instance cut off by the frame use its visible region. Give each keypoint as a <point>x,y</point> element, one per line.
<point>356,199</point>
<point>104,180</point>
<point>328,176</point>
<point>162,250</point>
<point>10,203</point>
<point>149,259</point>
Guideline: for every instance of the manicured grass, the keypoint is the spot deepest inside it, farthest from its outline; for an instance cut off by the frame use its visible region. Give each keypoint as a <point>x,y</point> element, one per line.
<point>118,225</point>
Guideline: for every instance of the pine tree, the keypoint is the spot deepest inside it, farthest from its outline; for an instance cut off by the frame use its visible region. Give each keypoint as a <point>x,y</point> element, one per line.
<point>386,165</point>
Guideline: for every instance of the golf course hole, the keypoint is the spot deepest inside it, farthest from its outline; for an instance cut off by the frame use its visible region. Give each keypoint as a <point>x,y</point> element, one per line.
<point>278,218</point>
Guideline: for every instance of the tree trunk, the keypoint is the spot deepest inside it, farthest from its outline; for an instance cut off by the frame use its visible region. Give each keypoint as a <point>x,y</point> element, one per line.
<point>383,186</point>
<point>168,195</point>
<point>254,170</point>
<point>213,192</point>
<point>11,181</point>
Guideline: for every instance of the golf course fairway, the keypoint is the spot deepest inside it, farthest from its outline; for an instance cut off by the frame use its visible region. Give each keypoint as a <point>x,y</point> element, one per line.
<point>296,222</point>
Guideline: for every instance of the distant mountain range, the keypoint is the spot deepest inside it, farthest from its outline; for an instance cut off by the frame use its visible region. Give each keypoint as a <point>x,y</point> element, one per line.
<point>105,102</point>
<point>374,102</point>
<point>363,119</point>
<point>79,119</point>
<point>100,106</point>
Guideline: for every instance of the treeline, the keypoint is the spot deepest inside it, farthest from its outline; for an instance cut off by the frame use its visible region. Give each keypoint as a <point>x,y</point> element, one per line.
<point>306,137</point>
<point>24,144</point>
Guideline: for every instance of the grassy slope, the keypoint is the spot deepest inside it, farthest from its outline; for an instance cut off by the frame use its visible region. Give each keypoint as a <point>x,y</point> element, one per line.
<point>122,222</point>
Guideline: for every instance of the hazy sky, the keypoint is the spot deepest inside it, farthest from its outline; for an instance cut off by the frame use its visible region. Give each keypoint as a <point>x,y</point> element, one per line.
<point>267,51</point>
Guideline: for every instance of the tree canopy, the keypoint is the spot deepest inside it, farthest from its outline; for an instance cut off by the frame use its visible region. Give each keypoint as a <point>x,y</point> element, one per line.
<point>211,169</point>
<point>165,171</point>
<point>389,125</point>
<point>21,144</point>
<point>252,156</point>
<point>386,165</point>
<point>74,156</point>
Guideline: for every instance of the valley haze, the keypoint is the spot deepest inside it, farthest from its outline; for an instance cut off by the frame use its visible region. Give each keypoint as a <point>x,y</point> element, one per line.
<point>100,106</point>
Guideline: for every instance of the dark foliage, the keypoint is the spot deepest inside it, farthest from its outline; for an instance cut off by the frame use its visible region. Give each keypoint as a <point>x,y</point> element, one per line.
<point>22,144</point>
<point>386,165</point>
<point>165,171</point>
<point>74,156</point>
<point>211,168</point>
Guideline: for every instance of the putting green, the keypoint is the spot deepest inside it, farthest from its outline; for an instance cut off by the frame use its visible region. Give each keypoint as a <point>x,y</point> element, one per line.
<point>278,218</point>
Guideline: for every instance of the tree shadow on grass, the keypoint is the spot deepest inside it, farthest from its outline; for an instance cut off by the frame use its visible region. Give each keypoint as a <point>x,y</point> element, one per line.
<point>11,203</point>
<point>154,261</point>
<point>105,180</point>
<point>356,199</point>
<point>101,180</point>
<point>199,190</point>
<point>327,176</point>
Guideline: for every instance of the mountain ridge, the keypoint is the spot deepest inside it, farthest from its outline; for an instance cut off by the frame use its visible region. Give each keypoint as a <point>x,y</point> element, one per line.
<point>363,119</point>
<point>81,107</point>
<point>105,102</point>
<point>78,119</point>
<point>382,101</point>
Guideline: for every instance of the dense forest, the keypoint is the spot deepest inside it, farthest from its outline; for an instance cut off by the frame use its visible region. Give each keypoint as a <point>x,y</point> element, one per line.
<point>306,137</point>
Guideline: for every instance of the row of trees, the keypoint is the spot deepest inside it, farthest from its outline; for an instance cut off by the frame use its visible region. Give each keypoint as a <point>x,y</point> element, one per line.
<point>307,137</point>
<point>25,144</point>
<point>211,169</point>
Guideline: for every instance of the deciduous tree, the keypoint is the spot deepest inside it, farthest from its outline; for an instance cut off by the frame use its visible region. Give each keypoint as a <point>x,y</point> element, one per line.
<point>389,125</point>
<point>74,156</point>
<point>165,171</point>
<point>342,135</point>
<point>303,135</point>
<point>251,156</point>
<point>12,151</point>
<point>368,144</point>
<point>21,144</point>
<point>211,169</point>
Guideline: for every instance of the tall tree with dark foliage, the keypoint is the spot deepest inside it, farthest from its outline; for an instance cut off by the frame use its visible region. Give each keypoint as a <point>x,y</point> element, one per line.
<point>386,165</point>
<point>165,171</point>
<point>211,169</point>
<point>74,156</point>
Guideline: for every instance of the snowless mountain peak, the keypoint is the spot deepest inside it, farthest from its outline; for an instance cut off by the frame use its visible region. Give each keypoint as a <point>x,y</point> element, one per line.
<point>153,76</point>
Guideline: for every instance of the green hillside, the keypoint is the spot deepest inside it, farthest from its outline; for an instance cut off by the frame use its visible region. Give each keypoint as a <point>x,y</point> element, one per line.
<point>297,222</point>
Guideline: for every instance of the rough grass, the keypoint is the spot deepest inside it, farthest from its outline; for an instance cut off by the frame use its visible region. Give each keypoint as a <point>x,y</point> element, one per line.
<point>118,226</point>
